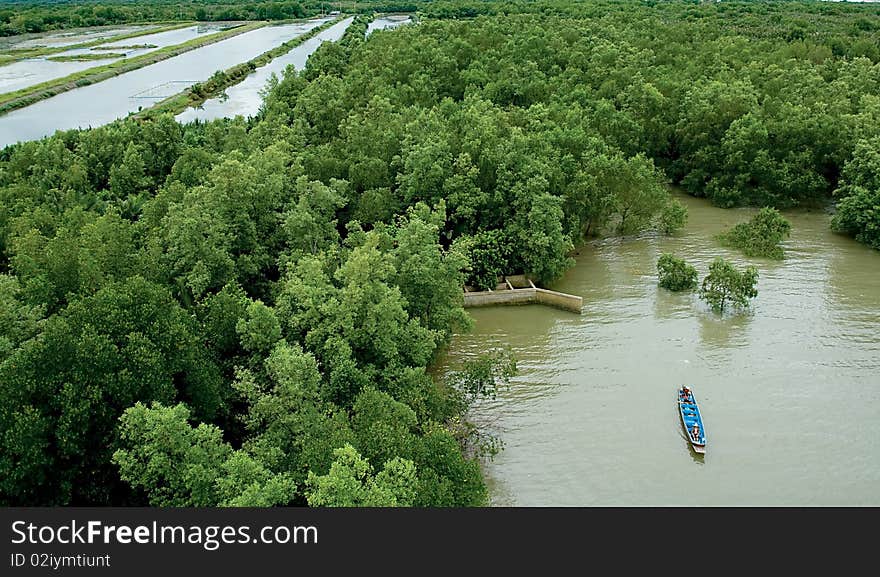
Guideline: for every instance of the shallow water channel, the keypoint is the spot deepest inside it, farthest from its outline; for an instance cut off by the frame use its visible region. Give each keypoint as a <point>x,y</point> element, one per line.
<point>789,391</point>
<point>244,99</point>
<point>106,101</point>
<point>57,38</point>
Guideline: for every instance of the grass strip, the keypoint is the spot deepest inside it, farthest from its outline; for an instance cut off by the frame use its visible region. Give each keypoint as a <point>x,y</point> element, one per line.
<point>223,79</point>
<point>126,47</point>
<point>27,96</point>
<point>87,57</point>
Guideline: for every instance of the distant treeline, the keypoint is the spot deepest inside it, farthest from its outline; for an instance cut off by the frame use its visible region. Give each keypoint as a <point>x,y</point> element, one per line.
<point>28,16</point>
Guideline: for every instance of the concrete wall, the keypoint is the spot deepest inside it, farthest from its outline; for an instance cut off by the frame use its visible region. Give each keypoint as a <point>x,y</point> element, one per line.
<point>506,297</point>
<point>560,300</point>
<point>519,281</point>
<point>524,296</point>
<point>520,290</point>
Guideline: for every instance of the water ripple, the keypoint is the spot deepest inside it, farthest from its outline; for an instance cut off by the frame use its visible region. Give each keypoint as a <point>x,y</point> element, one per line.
<point>590,419</point>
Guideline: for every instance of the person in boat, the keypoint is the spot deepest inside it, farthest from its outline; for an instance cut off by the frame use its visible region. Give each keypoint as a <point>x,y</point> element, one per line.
<point>686,394</point>
<point>695,432</point>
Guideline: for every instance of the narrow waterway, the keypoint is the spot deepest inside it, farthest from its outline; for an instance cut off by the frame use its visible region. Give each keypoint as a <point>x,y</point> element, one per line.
<point>789,391</point>
<point>106,101</point>
<point>244,98</point>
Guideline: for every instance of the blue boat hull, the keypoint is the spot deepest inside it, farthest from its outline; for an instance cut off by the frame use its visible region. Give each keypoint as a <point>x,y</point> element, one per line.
<point>691,420</point>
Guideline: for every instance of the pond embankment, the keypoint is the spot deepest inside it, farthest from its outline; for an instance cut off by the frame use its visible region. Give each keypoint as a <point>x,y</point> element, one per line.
<point>10,55</point>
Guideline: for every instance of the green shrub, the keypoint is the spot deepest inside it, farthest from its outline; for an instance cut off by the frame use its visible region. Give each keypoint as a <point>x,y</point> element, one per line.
<point>760,236</point>
<point>726,285</point>
<point>673,217</point>
<point>858,215</point>
<point>675,274</point>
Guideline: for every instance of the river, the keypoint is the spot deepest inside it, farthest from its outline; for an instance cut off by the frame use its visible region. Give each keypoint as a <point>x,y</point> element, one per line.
<point>789,391</point>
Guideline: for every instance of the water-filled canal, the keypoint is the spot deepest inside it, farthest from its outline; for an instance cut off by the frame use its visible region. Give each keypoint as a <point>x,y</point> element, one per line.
<point>244,98</point>
<point>387,22</point>
<point>106,101</point>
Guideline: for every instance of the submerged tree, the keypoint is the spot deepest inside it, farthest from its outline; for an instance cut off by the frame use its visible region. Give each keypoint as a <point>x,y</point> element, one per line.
<point>673,217</point>
<point>725,285</point>
<point>675,274</point>
<point>479,379</point>
<point>760,236</point>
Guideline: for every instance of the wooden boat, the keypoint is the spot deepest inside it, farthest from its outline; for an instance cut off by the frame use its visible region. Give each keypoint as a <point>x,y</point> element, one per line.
<point>691,419</point>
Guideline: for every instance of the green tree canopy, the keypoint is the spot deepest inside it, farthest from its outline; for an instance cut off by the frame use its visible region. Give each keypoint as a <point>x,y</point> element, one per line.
<point>760,236</point>
<point>725,286</point>
<point>351,483</point>
<point>858,208</point>
<point>63,392</point>
<point>179,465</point>
<point>675,274</point>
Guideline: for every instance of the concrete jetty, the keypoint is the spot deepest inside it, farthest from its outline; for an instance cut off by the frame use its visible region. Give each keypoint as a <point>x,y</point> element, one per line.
<point>519,290</point>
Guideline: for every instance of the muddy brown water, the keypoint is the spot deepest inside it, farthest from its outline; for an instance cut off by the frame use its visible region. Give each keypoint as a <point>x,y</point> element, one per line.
<point>789,390</point>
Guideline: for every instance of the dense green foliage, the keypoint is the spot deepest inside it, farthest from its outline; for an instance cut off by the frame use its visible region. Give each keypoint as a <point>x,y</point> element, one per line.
<point>198,274</point>
<point>726,285</point>
<point>29,16</point>
<point>673,217</point>
<point>754,103</point>
<point>675,274</point>
<point>351,484</point>
<point>246,311</point>
<point>184,466</point>
<point>858,210</point>
<point>759,236</point>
